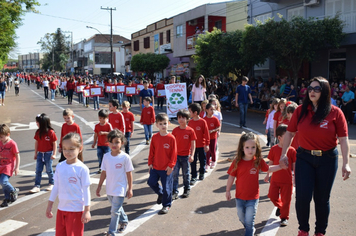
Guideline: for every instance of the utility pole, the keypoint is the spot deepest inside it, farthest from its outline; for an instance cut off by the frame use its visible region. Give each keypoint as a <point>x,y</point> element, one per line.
<point>71,48</point>
<point>111,39</point>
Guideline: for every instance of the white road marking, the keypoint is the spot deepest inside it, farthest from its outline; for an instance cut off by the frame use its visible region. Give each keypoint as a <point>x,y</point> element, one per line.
<point>10,225</point>
<point>23,199</point>
<point>49,232</point>
<point>272,225</point>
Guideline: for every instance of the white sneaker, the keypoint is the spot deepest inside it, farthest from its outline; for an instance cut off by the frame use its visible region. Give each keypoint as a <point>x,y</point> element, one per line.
<point>49,188</point>
<point>207,168</point>
<point>35,190</point>
<point>212,165</point>
<point>52,100</point>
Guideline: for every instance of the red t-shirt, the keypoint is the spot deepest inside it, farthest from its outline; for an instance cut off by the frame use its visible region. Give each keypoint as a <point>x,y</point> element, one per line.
<point>321,136</point>
<point>163,151</point>
<point>202,114</point>
<point>66,129</point>
<point>102,139</point>
<point>284,175</point>
<point>295,142</point>
<point>213,123</point>
<point>278,117</point>
<point>285,121</point>
<point>117,121</point>
<point>128,117</point>
<point>267,113</point>
<point>201,130</point>
<point>147,116</point>
<point>8,153</point>
<point>52,85</point>
<point>247,187</point>
<point>70,85</point>
<point>45,143</point>
<point>184,138</point>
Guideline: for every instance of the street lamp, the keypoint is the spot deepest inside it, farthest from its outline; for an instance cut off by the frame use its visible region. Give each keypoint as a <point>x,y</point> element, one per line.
<point>111,49</point>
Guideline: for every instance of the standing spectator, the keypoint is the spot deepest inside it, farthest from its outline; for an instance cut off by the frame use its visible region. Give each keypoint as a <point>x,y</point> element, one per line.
<point>45,87</point>
<point>347,104</point>
<point>319,125</point>
<point>292,96</point>
<point>198,90</point>
<point>243,93</point>
<point>3,89</point>
<point>303,91</point>
<point>287,90</point>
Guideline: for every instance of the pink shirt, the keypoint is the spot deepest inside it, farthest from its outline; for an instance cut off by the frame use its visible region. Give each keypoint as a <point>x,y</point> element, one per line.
<point>198,93</point>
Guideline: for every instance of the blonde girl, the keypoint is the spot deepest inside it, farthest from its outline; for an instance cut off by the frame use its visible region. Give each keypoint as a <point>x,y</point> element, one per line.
<point>245,168</point>
<point>202,113</point>
<point>72,186</point>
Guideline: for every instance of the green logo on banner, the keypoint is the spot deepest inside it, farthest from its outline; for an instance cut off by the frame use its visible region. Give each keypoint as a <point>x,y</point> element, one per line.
<point>176,98</point>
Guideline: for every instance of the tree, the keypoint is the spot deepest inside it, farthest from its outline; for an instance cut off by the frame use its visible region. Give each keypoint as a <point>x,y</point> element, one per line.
<point>149,63</point>
<point>11,12</point>
<point>56,48</point>
<point>290,43</point>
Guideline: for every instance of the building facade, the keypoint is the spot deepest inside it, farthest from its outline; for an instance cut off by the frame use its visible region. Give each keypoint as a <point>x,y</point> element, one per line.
<point>332,64</point>
<point>30,62</point>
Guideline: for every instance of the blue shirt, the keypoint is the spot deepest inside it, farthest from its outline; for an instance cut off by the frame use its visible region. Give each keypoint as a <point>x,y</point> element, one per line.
<point>243,92</point>
<point>347,96</point>
<point>2,86</point>
<point>145,93</point>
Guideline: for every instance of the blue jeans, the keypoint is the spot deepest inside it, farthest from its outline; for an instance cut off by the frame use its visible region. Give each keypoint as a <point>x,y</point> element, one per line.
<point>314,177</point>
<point>44,159</point>
<point>246,211</point>
<point>117,213</point>
<point>100,151</point>
<point>96,102</point>
<point>202,160</point>
<point>6,186</point>
<point>148,131</point>
<point>182,161</point>
<point>167,184</point>
<point>53,92</point>
<point>127,146</point>
<point>243,111</point>
<point>119,97</point>
<point>2,94</point>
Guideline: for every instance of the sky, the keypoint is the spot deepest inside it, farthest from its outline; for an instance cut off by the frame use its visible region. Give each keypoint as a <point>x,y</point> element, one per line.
<point>74,15</point>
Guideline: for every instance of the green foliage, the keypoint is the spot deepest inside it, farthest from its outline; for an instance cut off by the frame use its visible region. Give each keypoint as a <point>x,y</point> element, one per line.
<point>11,12</point>
<point>149,63</point>
<point>56,48</point>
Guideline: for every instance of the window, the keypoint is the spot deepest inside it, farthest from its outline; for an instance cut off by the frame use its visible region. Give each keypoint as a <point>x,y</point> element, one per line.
<point>293,12</point>
<point>218,24</point>
<point>102,58</point>
<point>179,31</point>
<point>347,11</point>
<point>263,18</point>
<point>146,42</point>
<point>136,45</point>
<point>168,36</point>
<point>160,38</point>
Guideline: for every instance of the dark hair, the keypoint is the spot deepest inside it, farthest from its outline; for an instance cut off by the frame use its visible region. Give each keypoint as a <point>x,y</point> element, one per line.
<point>44,124</point>
<point>161,117</point>
<point>4,129</point>
<point>117,134</point>
<point>195,107</point>
<point>115,103</point>
<point>67,112</point>
<point>145,82</point>
<point>148,99</point>
<point>291,107</point>
<point>324,102</point>
<point>281,130</point>
<point>203,82</point>
<point>183,113</point>
<point>103,113</point>
<point>244,78</point>
<point>208,106</point>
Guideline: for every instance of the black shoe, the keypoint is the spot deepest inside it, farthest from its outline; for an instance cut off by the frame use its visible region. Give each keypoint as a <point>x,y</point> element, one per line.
<point>193,181</point>
<point>14,195</point>
<point>278,212</point>
<point>164,210</point>
<point>99,171</point>
<point>186,193</point>
<point>122,227</point>
<point>5,203</point>
<point>175,196</point>
<point>201,177</point>
<point>159,199</point>
<point>244,126</point>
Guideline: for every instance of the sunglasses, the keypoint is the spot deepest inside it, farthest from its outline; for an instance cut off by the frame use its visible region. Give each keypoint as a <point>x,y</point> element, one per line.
<point>316,89</point>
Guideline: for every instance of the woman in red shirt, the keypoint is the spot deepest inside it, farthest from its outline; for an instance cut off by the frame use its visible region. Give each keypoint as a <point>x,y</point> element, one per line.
<point>319,125</point>
<point>70,90</point>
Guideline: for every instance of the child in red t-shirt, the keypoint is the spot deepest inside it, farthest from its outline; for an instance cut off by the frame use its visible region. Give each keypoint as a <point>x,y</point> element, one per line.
<point>161,161</point>
<point>278,116</point>
<point>202,113</point>
<point>101,131</point>
<point>9,163</point>
<point>129,124</point>
<point>69,127</point>
<point>116,119</point>
<point>160,100</point>
<point>185,137</point>
<point>147,118</point>
<point>45,151</point>
<point>214,127</point>
<point>201,130</point>
<point>281,186</point>
<point>245,168</point>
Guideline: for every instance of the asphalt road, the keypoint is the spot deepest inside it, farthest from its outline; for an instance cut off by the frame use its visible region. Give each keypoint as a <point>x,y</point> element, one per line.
<point>205,212</point>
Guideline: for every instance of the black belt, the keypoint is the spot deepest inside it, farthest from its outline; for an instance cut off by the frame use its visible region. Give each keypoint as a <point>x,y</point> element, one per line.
<point>318,153</point>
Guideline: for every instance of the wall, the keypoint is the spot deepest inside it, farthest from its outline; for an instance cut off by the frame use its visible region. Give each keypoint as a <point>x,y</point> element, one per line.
<point>236,15</point>
<point>213,19</point>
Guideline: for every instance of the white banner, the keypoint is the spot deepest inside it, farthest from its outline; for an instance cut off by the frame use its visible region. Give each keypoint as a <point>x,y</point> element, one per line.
<point>176,95</point>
